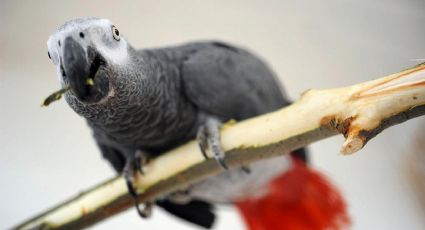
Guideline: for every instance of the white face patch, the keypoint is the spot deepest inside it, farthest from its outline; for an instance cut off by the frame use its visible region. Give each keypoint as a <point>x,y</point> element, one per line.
<point>96,33</point>
<point>119,54</point>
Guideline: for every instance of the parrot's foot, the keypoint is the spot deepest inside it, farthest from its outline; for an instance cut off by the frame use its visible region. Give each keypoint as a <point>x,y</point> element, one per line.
<point>140,160</point>
<point>208,137</point>
<point>133,164</point>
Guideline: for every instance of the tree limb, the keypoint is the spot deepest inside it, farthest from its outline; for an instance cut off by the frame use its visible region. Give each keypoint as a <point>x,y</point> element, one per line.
<point>359,112</point>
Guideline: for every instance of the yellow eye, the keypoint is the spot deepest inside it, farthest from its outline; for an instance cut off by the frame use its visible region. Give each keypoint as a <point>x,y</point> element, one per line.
<point>115,33</point>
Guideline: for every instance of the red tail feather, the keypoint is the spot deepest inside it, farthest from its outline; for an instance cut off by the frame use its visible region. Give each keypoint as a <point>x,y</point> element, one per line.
<point>300,199</point>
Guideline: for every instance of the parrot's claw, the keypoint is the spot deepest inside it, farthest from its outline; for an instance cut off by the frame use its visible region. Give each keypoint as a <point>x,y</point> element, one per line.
<point>140,160</point>
<point>146,210</point>
<point>130,168</point>
<point>201,137</point>
<point>208,137</point>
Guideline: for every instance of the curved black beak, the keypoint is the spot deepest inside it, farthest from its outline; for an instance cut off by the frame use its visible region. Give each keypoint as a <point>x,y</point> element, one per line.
<point>80,68</point>
<point>76,67</point>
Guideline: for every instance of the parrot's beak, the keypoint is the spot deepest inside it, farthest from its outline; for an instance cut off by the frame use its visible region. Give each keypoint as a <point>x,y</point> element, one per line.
<point>76,67</point>
<point>81,69</point>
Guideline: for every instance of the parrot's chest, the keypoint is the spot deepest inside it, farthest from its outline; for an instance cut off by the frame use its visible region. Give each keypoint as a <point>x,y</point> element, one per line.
<point>148,130</point>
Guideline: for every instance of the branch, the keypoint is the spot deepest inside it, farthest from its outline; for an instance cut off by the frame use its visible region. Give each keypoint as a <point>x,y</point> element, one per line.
<point>359,112</point>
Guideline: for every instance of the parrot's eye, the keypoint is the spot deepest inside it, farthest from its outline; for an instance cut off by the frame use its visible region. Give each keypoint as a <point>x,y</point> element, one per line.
<point>115,33</point>
<point>48,54</point>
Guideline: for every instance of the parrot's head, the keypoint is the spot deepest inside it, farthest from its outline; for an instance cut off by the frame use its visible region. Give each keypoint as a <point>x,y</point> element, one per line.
<point>86,52</point>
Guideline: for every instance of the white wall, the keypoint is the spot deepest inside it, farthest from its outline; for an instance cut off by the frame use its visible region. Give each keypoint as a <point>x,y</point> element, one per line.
<point>47,154</point>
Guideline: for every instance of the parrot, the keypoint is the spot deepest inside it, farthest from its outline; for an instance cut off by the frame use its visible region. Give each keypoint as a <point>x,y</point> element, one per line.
<point>139,103</point>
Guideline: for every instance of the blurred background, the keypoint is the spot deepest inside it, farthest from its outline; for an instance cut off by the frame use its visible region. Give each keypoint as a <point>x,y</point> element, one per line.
<point>48,154</point>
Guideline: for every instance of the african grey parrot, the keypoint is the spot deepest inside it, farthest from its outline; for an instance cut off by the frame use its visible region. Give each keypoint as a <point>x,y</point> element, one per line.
<point>145,102</point>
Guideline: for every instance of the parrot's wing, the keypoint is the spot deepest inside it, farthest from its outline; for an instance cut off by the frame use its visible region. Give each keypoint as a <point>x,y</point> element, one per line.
<point>230,83</point>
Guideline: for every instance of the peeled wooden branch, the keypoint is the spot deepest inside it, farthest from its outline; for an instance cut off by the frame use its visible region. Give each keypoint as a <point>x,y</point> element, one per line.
<point>359,112</point>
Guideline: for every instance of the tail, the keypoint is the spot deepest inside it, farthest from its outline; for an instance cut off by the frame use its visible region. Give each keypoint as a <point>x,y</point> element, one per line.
<point>299,199</point>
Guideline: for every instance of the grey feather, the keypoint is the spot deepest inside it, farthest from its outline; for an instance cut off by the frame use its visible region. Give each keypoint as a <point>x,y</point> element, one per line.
<point>230,82</point>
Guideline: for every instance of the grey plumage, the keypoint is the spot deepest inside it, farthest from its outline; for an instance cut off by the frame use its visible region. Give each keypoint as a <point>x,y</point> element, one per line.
<point>156,99</point>
<point>162,99</point>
